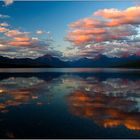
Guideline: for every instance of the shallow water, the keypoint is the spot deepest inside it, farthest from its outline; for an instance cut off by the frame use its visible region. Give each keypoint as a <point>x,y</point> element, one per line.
<point>69,103</point>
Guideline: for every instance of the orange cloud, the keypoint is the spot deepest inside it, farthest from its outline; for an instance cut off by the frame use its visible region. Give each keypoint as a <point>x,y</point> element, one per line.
<point>19,43</point>
<point>3,29</point>
<point>22,39</point>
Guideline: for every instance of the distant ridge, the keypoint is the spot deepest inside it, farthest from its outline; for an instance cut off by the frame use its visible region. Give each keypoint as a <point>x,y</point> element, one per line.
<point>48,61</point>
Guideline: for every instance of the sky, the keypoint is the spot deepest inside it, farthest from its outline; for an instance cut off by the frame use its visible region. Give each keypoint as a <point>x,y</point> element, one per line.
<point>69,29</point>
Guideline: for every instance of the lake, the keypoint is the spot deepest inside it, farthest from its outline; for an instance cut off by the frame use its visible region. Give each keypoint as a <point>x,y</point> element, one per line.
<point>69,103</point>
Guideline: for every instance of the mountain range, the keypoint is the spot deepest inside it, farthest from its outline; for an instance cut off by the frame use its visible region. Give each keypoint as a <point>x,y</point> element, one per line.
<point>52,62</point>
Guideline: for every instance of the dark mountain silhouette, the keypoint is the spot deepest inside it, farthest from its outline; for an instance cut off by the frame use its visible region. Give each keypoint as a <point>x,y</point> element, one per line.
<point>44,61</point>
<point>103,61</point>
<point>17,63</point>
<point>49,61</point>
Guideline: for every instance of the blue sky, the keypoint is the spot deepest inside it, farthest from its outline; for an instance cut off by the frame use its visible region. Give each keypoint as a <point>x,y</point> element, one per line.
<point>53,17</point>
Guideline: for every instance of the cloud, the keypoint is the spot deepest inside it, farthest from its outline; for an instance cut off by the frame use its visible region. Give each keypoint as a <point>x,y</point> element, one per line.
<point>87,23</point>
<point>16,33</point>
<point>85,36</point>
<point>3,29</point>
<point>4,16</point>
<point>119,17</point>
<point>16,94</point>
<point>40,32</point>
<point>4,24</point>
<point>107,102</point>
<point>110,49</point>
<point>106,28</point>
<point>8,2</point>
<point>19,44</point>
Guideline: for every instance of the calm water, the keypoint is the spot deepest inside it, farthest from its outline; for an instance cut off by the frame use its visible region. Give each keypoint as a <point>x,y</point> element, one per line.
<point>69,103</point>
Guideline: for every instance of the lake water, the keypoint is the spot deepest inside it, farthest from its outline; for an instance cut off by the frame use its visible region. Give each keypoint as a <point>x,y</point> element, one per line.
<point>69,103</point>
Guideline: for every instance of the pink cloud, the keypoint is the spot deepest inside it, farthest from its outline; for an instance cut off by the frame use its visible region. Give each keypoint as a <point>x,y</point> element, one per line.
<point>15,33</point>
<point>8,2</point>
<point>113,24</point>
<point>87,23</point>
<point>114,13</point>
<point>120,17</point>
<point>85,36</point>
<point>20,42</point>
<point>79,39</point>
<point>88,31</point>
<point>109,13</point>
<point>114,31</point>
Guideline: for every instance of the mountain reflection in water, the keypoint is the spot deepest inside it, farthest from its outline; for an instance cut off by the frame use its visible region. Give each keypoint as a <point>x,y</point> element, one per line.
<point>108,102</point>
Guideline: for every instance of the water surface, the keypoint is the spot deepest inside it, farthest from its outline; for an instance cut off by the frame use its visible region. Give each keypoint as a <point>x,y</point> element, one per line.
<point>69,103</point>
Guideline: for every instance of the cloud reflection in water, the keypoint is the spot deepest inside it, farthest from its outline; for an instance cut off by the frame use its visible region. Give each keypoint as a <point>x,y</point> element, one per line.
<point>16,91</point>
<point>109,102</point>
